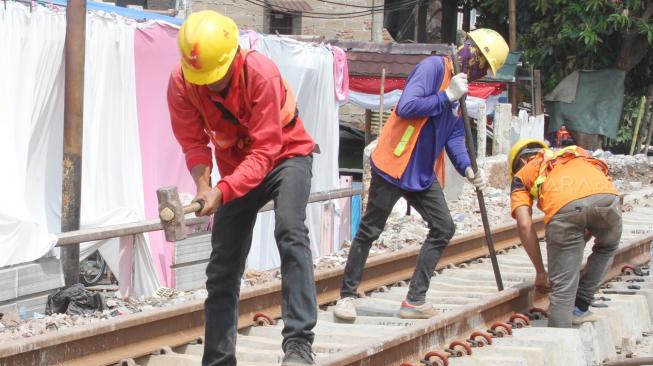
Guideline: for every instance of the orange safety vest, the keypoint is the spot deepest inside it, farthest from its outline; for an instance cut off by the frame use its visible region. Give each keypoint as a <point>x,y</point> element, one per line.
<point>289,111</point>
<point>551,158</point>
<point>399,137</point>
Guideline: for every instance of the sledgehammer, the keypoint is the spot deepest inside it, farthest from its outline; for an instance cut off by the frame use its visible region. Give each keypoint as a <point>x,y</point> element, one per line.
<point>479,193</point>
<point>172,213</point>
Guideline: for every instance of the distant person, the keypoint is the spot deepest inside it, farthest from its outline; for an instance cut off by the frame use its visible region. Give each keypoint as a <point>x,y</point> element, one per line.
<point>427,120</point>
<point>578,199</point>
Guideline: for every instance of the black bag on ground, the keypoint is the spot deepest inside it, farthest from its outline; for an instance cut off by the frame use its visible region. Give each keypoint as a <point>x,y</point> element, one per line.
<point>75,300</point>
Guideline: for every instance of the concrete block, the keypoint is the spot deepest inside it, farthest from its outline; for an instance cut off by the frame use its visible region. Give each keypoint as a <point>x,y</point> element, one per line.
<point>37,277</point>
<point>597,341</point>
<point>569,349</point>
<point>8,284</point>
<point>531,356</point>
<point>193,249</point>
<point>626,315</point>
<point>328,317</point>
<point>641,311</point>
<point>190,277</point>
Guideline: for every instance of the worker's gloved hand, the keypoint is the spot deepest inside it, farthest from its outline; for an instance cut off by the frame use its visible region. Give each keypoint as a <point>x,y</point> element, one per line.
<point>478,180</point>
<point>457,87</point>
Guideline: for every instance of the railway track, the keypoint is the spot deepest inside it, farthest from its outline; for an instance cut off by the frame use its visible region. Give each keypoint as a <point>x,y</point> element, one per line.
<point>464,293</point>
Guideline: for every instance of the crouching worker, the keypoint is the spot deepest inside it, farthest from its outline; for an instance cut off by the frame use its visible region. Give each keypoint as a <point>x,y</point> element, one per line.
<point>577,196</point>
<point>426,120</point>
<point>236,100</point>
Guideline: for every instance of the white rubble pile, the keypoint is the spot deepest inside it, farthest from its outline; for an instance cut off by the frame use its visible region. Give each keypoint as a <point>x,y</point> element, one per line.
<point>12,327</point>
<point>629,173</point>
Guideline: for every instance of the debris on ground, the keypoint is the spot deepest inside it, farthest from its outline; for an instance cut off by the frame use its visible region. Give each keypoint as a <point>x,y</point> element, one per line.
<point>75,300</point>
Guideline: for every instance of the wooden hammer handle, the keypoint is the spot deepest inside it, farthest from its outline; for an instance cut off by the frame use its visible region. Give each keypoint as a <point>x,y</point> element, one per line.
<point>194,206</point>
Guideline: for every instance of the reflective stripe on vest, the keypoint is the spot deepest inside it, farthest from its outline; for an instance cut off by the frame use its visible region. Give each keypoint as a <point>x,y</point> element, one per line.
<point>288,110</point>
<point>549,158</point>
<point>408,133</point>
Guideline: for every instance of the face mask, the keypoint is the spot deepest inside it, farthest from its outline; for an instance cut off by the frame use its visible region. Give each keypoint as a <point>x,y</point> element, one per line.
<point>472,61</point>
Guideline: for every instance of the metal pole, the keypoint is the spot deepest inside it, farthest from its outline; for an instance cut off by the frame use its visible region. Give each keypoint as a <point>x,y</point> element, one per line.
<point>648,134</point>
<point>72,136</point>
<point>634,143</point>
<point>381,106</point>
<point>512,20</point>
<point>479,193</point>
<point>377,20</point>
<point>630,362</point>
<point>368,127</point>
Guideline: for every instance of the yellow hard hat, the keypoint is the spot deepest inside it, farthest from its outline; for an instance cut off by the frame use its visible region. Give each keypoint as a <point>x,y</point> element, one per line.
<point>208,42</point>
<point>517,149</point>
<point>492,45</point>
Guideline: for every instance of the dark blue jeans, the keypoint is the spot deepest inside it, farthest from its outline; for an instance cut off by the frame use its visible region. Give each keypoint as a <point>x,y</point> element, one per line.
<point>430,204</point>
<point>289,185</point>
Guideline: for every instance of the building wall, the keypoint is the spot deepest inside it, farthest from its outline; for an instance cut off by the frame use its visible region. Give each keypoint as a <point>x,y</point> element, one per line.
<point>248,15</point>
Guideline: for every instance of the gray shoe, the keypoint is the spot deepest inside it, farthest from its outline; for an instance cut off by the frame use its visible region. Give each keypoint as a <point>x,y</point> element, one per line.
<point>297,354</point>
<point>424,311</point>
<point>587,317</point>
<point>345,309</point>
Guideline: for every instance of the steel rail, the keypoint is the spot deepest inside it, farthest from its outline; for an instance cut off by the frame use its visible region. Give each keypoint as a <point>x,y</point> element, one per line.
<point>139,334</point>
<point>415,341</point>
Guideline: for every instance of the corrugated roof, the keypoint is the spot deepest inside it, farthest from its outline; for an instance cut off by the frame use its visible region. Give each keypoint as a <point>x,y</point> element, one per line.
<point>369,58</point>
<point>289,6</point>
<point>372,64</point>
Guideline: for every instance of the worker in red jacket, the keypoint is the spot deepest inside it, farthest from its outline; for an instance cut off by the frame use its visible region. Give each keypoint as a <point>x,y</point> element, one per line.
<point>237,101</point>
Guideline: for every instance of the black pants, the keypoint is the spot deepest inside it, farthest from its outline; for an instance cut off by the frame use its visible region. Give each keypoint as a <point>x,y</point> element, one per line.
<point>288,185</point>
<point>430,204</point>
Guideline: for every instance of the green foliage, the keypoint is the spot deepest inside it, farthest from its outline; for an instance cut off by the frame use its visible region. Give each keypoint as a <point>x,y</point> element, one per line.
<point>628,120</point>
<point>559,36</point>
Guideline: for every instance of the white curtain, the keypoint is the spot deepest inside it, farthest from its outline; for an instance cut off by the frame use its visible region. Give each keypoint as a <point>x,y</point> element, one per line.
<point>31,136</point>
<point>31,130</point>
<point>308,69</point>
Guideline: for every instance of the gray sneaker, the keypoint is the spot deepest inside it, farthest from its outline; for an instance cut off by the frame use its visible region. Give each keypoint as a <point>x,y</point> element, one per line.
<point>587,317</point>
<point>297,354</point>
<point>345,309</point>
<point>424,311</point>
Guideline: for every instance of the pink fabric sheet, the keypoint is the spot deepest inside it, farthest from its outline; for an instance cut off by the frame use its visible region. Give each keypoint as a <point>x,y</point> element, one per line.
<point>163,162</point>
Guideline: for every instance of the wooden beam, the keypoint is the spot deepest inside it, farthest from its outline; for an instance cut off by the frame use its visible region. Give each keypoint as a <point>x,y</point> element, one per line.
<point>512,20</point>
<point>139,227</point>
<point>73,133</point>
<point>537,88</point>
<point>368,127</point>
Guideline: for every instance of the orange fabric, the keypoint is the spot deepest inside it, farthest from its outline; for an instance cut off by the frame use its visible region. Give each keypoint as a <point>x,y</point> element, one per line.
<point>392,133</point>
<point>289,108</point>
<point>439,169</point>
<point>569,179</point>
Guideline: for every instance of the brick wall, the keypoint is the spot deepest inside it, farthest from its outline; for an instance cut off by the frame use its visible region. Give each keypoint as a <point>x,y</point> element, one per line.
<point>248,15</point>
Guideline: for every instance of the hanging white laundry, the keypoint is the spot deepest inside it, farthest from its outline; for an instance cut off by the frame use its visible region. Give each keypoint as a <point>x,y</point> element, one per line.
<point>308,69</point>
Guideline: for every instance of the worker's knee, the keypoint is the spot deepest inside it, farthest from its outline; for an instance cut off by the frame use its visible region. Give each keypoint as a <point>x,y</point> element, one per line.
<point>444,230</point>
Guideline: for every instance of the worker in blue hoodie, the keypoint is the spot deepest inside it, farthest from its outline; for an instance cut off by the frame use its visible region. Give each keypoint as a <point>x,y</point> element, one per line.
<point>427,120</point>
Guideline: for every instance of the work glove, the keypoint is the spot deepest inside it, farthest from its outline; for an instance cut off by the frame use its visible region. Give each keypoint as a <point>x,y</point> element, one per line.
<point>477,180</point>
<point>457,87</point>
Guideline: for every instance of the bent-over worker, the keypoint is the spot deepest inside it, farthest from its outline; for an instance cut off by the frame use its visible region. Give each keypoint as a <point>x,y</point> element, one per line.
<point>577,197</point>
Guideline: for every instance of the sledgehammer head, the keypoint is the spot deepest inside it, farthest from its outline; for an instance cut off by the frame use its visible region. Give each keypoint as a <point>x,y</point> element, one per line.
<point>171,213</point>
